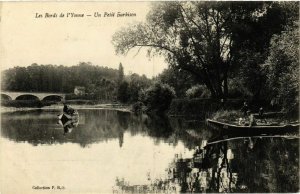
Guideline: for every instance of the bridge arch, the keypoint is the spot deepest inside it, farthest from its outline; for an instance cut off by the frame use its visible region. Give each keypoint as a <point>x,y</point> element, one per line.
<point>27,97</point>
<point>40,95</point>
<point>53,98</point>
<point>5,97</point>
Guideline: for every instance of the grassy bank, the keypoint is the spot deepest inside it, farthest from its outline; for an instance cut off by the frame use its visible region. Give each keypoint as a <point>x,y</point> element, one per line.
<point>206,107</point>
<point>13,105</point>
<point>26,103</point>
<point>201,107</point>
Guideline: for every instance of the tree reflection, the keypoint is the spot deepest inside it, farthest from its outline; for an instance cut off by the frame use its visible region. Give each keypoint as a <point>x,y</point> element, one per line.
<point>243,165</point>
<point>40,127</point>
<point>248,165</point>
<point>158,126</point>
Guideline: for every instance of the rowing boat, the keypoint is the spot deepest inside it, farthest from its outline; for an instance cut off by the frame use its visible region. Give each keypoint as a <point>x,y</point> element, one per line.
<point>257,129</point>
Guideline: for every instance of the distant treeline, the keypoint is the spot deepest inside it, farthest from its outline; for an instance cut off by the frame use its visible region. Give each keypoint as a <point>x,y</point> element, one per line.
<point>54,78</point>
<point>99,83</point>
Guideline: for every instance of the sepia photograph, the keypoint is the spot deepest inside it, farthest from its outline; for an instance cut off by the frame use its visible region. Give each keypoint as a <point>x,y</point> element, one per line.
<point>149,97</point>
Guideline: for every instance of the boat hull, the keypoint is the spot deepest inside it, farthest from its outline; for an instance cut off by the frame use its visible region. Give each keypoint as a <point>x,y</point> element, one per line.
<point>252,130</point>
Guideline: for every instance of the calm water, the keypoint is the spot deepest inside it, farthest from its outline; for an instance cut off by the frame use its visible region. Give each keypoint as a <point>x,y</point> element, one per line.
<point>111,151</point>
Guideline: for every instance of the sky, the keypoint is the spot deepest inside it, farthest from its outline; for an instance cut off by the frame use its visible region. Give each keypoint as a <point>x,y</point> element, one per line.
<point>26,38</point>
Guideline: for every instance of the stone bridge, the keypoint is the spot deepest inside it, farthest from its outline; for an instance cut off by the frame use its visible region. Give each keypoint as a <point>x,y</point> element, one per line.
<point>5,95</point>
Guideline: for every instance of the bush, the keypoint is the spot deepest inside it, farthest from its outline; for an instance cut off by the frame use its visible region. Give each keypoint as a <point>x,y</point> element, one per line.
<point>193,107</point>
<point>225,115</point>
<point>79,97</point>
<point>282,66</point>
<point>202,107</point>
<point>158,97</point>
<point>137,107</point>
<point>197,91</point>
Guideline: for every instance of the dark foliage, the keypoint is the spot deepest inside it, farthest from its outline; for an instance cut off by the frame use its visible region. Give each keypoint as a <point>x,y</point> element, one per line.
<point>123,94</point>
<point>53,78</point>
<point>158,97</point>
<point>213,41</point>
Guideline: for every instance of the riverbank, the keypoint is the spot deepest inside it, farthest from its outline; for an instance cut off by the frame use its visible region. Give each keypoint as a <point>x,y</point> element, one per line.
<point>199,107</point>
<point>118,107</point>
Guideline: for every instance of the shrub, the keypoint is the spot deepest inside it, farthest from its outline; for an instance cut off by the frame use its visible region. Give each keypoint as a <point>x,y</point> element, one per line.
<point>282,66</point>
<point>225,115</point>
<point>79,97</point>
<point>197,91</point>
<point>137,107</point>
<point>158,97</point>
<point>202,106</point>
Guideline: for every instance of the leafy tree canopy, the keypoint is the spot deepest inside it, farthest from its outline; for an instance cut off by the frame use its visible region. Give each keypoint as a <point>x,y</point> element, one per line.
<point>205,38</point>
<point>282,67</point>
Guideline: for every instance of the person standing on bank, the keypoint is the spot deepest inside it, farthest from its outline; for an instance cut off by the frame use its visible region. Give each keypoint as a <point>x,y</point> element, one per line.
<point>245,109</point>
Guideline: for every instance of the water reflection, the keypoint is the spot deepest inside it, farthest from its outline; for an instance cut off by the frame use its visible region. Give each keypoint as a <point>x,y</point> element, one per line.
<point>105,145</point>
<point>42,127</point>
<point>131,153</point>
<point>68,124</point>
<point>247,165</point>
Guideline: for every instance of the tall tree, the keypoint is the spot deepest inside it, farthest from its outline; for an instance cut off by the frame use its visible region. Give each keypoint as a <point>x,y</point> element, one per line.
<point>120,73</point>
<point>282,66</point>
<point>123,94</point>
<point>203,38</point>
<point>251,42</point>
<point>181,81</point>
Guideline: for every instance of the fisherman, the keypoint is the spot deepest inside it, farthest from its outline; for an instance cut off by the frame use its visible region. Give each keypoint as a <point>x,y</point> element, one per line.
<point>65,109</point>
<point>68,110</point>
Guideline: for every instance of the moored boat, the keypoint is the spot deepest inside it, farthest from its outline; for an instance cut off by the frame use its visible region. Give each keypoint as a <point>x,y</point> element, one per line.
<point>256,129</point>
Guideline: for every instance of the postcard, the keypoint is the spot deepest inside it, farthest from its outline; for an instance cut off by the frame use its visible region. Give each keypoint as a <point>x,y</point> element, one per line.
<point>149,97</point>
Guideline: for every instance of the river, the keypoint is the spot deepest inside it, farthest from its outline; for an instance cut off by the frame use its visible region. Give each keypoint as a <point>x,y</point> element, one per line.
<point>110,151</point>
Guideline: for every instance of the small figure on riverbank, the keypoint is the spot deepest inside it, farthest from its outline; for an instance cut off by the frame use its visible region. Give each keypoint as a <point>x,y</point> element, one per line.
<point>261,114</point>
<point>245,109</point>
<point>222,104</point>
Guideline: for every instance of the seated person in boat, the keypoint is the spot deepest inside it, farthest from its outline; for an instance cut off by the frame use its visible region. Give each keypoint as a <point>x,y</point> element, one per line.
<point>248,120</point>
<point>252,121</point>
<point>68,110</point>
